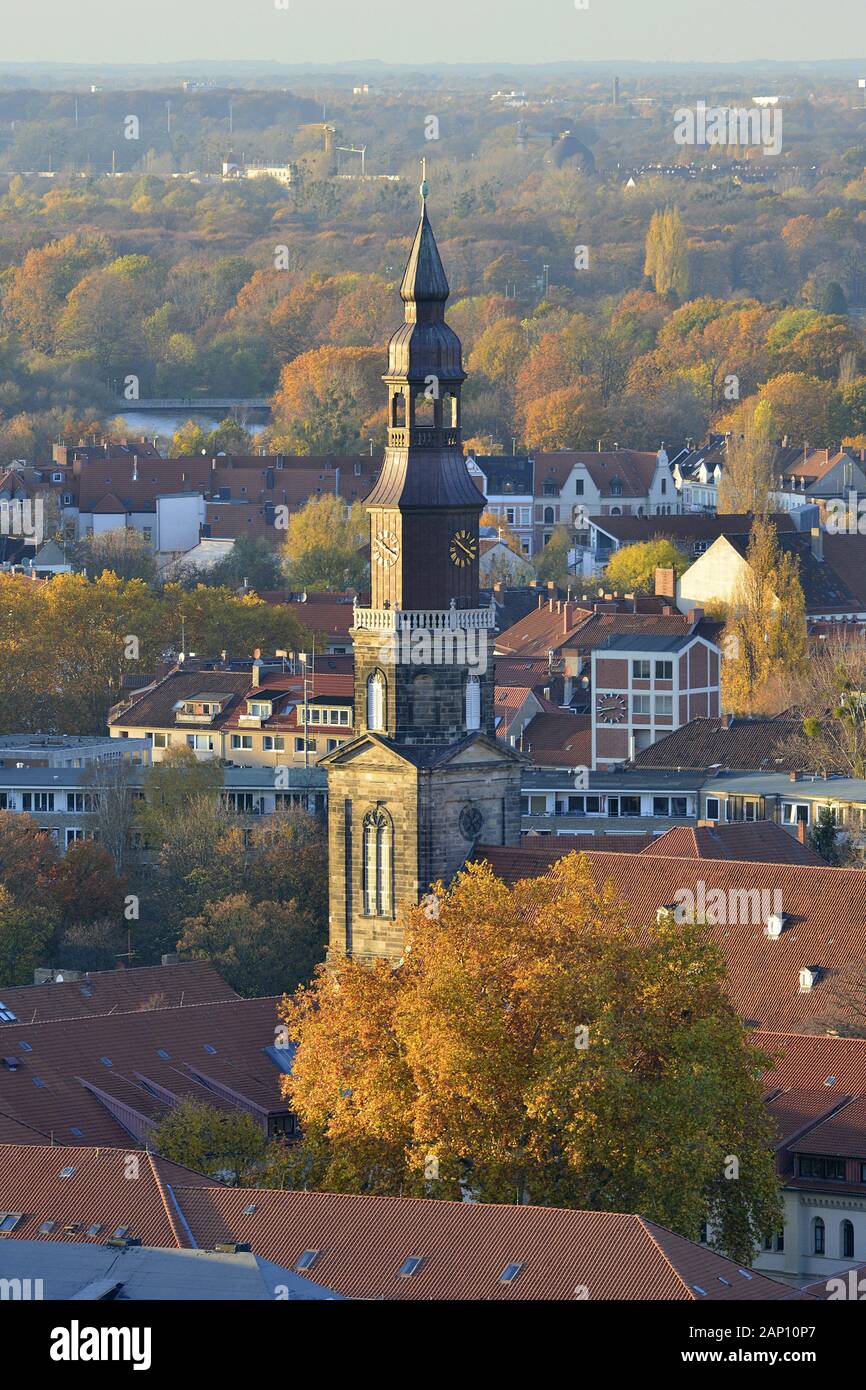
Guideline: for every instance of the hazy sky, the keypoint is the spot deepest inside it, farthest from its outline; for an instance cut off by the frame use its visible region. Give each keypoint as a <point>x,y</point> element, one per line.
<point>323,31</point>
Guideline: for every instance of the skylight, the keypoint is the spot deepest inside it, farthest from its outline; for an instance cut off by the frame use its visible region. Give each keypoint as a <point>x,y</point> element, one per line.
<point>9,1220</point>
<point>248,1211</point>
<point>308,1258</point>
<point>410,1266</point>
<point>161,1052</point>
<point>697,1288</point>
<point>94,1229</point>
<point>47,1227</point>
<point>6,1014</point>
<point>25,1047</point>
<point>66,1172</point>
<point>209,1048</point>
<point>510,1273</point>
<point>120,1232</point>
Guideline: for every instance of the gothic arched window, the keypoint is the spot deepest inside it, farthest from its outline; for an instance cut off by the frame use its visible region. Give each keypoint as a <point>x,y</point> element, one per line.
<point>473,703</point>
<point>846,1241</point>
<point>377,867</point>
<point>376,701</point>
<point>548,516</point>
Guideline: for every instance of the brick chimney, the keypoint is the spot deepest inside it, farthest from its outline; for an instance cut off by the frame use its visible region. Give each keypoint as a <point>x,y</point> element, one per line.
<point>801,831</point>
<point>666,583</point>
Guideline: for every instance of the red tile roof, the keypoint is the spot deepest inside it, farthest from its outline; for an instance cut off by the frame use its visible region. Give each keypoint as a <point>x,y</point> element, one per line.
<point>108,1187</point>
<point>106,1075</point>
<point>762,841</point>
<point>465,1247</point>
<point>117,991</point>
<point>558,739</point>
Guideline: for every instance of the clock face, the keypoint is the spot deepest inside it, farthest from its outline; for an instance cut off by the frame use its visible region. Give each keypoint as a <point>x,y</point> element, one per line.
<point>463,549</point>
<point>611,709</point>
<point>386,548</point>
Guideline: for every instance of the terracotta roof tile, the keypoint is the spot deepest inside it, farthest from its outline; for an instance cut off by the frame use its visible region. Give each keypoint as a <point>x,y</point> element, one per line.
<point>465,1247</point>
<point>763,841</point>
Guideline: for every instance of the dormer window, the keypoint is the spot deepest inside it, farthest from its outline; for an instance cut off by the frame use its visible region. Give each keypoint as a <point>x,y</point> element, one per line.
<point>260,708</point>
<point>615,487</point>
<point>549,490</point>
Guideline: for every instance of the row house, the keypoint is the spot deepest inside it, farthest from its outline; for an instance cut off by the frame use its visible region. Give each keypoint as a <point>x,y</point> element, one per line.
<point>255,718</point>
<point>537,494</point>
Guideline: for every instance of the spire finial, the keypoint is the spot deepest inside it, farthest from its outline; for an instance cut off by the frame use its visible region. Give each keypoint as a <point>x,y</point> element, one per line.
<point>424,189</point>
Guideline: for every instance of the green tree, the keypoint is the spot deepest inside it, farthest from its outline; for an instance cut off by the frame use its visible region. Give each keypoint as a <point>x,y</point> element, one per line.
<point>172,788</point>
<point>552,563</point>
<point>259,948</point>
<point>322,545</point>
<point>26,930</point>
<point>219,1143</point>
<point>633,567</point>
<point>822,836</point>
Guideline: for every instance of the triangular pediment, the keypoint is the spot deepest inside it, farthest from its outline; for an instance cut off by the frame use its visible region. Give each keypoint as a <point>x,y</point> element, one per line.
<point>366,748</point>
<point>480,748</point>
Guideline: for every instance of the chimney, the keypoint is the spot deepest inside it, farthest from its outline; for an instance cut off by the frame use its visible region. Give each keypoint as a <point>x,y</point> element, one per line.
<point>817,542</point>
<point>135,468</point>
<point>694,615</point>
<point>257,665</point>
<point>666,583</point>
<point>801,831</point>
<point>794,776</point>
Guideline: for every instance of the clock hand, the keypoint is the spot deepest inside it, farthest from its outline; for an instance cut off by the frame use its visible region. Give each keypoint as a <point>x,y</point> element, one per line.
<point>467,549</point>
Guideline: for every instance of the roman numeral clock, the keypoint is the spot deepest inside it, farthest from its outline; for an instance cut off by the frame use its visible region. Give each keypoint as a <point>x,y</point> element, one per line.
<point>463,548</point>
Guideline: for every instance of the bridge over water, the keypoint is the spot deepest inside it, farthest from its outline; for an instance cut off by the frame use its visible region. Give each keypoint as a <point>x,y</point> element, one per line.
<point>209,403</point>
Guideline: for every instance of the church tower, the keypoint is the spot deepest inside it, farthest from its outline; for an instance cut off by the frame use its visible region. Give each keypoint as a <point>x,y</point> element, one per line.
<point>425,778</point>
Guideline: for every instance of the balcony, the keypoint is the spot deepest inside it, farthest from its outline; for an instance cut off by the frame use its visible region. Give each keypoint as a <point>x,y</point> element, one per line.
<point>430,619</point>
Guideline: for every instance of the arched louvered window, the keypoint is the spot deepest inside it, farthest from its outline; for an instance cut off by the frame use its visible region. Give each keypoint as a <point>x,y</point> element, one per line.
<point>818,1236</point>
<point>846,1240</point>
<point>376,701</point>
<point>378,863</point>
<point>473,703</point>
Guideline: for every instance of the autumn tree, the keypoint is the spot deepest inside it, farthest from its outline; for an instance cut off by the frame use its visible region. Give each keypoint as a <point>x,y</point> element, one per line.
<point>766,628</point>
<point>666,259</point>
<point>526,1030</point>
<point>85,885</point>
<point>748,475</point>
